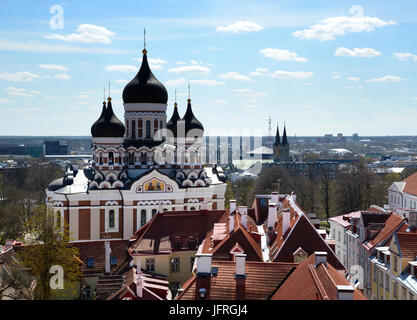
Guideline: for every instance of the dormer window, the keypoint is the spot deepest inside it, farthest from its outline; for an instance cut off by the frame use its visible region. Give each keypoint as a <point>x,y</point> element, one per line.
<point>177,242</point>
<point>192,242</point>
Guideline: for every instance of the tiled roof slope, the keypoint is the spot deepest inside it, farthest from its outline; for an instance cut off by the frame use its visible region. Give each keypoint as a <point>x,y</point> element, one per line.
<point>301,233</point>
<point>392,224</point>
<point>157,235</point>
<point>245,237</point>
<point>262,280</point>
<point>407,242</point>
<point>309,282</point>
<point>411,184</point>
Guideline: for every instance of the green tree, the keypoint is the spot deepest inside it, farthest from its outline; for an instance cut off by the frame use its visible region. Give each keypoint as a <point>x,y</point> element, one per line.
<point>51,248</point>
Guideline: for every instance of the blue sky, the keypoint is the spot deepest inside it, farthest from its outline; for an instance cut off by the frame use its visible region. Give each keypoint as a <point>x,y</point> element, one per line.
<point>320,66</point>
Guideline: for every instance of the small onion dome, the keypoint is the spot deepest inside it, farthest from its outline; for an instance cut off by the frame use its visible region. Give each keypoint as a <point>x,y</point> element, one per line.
<point>99,120</point>
<point>144,87</point>
<point>191,122</point>
<point>111,127</point>
<point>172,123</point>
<point>56,184</point>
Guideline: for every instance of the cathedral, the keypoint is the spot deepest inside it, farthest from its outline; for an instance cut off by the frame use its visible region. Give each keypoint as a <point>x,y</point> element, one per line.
<point>139,167</point>
<point>281,149</point>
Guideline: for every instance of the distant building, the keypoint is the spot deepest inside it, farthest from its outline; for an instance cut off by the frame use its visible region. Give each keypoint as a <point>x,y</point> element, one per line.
<point>281,149</point>
<point>56,147</point>
<point>403,194</point>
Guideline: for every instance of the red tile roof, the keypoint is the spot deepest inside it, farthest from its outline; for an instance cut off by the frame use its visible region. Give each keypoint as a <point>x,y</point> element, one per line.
<point>262,280</point>
<point>392,224</point>
<point>300,234</point>
<point>157,236</point>
<point>411,184</point>
<point>309,282</point>
<point>407,242</point>
<point>96,250</point>
<point>245,237</point>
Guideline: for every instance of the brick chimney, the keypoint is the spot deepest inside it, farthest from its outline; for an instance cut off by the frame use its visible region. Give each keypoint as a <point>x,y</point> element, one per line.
<point>275,197</point>
<point>243,210</point>
<point>203,264</point>
<point>272,215</point>
<point>344,292</point>
<point>286,217</point>
<point>321,257</point>
<point>240,259</point>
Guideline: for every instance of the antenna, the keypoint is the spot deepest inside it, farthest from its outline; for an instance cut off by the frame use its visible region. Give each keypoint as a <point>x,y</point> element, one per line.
<point>144,38</point>
<point>109,88</point>
<point>175,95</point>
<point>189,94</point>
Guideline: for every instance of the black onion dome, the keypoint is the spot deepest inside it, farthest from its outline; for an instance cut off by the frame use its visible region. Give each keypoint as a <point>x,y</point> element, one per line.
<point>99,120</point>
<point>172,123</point>
<point>144,87</point>
<point>111,126</point>
<point>56,184</point>
<point>191,122</point>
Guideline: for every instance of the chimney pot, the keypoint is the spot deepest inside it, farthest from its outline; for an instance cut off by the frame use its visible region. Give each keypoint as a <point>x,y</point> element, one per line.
<point>232,206</point>
<point>274,197</point>
<point>286,217</point>
<point>272,215</point>
<point>321,257</point>
<point>231,222</point>
<point>203,263</point>
<point>243,216</point>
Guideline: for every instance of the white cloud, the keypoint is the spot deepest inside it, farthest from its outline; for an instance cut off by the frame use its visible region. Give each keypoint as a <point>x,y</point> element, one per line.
<point>154,63</point>
<point>231,75</point>
<point>353,78</point>
<point>180,62</point>
<point>259,72</point>
<point>21,92</point>
<point>331,27</point>
<point>176,82</point>
<point>62,76</point>
<point>121,68</point>
<point>386,79</point>
<point>415,99</point>
<point>56,67</point>
<point>219,101</point>
<point>357,52</point>
<point>405,56</point>
<point>240,26</point>
<point>280,74</point>
<point>121,81</point>
<point>336,76</point>
<point>282,55</point>
<point>248,93</point>
<point>208,82</point>
<point>2,100</point>
<point>18,76</point>
<point>87,33</point>
<point>190,69</point>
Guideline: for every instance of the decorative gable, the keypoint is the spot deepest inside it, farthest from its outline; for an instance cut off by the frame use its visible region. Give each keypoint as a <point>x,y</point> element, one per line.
<point>237,249</point>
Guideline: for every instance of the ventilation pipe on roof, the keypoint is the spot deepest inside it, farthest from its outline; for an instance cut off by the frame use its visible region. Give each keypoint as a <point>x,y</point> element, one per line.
<point>107,256</point>
<point>203,263</point>
<point>243,216</point>
<point>344,292</point>
<point>286,217</point>
<point>321,257</point>
<point>240,259</point>
<point>139,282</point>
<point>232,206</point>
<point>272,215</point>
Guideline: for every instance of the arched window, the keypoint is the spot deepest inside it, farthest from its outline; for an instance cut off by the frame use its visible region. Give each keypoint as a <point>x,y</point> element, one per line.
<point>111,158</point>
<point>192,242</point>
<point>133,129</point>
<point>142,217</point>
<point>111,218</point>
<point>58,219</point>
<point>154,212</point>
<point>143,157</point>
<point>101,159</point>
<point>148,129</point>
<point>192,157</point>
<point>160,124</point>
<point>131,158</point>
<point>192,208</point>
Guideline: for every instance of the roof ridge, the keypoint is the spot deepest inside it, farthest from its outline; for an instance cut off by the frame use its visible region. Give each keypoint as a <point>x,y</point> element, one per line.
<point>317,282</point>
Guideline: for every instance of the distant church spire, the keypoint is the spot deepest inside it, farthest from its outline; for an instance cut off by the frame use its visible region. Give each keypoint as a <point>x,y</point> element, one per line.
<point>284,137</point>
<point>277,137</point>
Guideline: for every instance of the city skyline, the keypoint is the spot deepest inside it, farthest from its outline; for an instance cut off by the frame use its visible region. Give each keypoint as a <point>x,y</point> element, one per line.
<point>322,68</point>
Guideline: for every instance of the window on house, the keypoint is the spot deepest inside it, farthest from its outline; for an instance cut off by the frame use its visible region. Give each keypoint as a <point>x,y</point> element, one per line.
<point>192,242</point>
<point>58,219</point>
<point>90,262</point>
<point>133,129</point>
<point>154,212</point>
<point>113,261</point>
<point>101,159</point>
<point>111,218</point>
<point>395,263</point>
<point>387,282</point>
<point>411,296</point>
<point>150,265</point>
<point>160,124</point>
<point>131,158</point>
<point>148,129</point>
<point>395,287</point>
<point>142,217</point>
<point>111,158</point>
<point>338,236</point>
<point>175,265</point>
<point>404,295</point>
<point>375,274</point>
<point>192,208</point>
<point>177,242</point>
